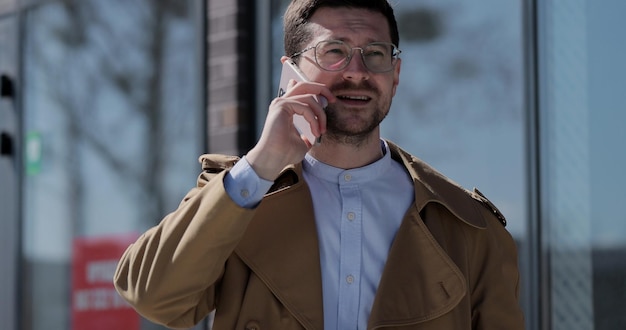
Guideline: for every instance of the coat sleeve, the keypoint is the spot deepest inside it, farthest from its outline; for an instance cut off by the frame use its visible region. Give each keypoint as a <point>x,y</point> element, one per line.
<point>495,275</point>
<point>171,273</point>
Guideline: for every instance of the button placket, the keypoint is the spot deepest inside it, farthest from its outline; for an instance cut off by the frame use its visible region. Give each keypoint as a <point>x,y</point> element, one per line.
<point>350,243</point>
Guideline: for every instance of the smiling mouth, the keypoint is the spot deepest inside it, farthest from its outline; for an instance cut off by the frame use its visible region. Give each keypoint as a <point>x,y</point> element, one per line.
<point>354,98</point>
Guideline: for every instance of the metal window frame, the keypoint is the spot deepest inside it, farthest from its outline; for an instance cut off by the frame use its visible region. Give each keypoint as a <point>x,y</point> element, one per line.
<point>538,304</point>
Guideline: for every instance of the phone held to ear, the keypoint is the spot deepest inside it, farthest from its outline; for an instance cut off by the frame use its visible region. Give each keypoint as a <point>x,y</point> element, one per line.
<point>291,71</point>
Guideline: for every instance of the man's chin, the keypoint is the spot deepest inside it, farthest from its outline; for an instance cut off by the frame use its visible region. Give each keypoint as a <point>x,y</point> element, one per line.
<point>349,136</point>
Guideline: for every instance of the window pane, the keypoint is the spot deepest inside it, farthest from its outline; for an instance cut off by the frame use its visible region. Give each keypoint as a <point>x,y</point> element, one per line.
<point>582,109</point>
<point>113,124</point>
<point>459,102</point>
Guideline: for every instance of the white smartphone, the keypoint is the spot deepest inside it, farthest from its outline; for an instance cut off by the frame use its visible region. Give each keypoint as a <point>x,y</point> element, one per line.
<point>291,71</point>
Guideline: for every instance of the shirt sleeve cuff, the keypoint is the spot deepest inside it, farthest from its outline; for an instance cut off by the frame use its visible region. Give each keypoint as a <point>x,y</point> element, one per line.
<point>244,186</point>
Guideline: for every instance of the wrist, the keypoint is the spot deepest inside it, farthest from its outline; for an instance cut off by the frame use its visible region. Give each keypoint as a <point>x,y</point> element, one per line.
<point>264,164</point>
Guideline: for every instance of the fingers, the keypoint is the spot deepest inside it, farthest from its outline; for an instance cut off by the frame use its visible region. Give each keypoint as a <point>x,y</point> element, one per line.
<point>313,113</point>
<point>309,100</point>
<point>281,143</point>
<point>313,88</point>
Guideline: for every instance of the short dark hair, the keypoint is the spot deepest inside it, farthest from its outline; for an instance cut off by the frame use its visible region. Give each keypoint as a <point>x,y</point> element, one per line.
<point>298,13</point>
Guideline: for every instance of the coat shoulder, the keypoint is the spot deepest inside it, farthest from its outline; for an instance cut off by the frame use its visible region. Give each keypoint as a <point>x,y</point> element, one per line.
<point>215,163</point>
<point>479,196</point>
<point>469,206</point>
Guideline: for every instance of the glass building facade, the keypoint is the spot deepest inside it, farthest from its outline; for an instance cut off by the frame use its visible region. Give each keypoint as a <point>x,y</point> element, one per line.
<point>581,110</point>
<point>109,119</point>
<point>103,114</point>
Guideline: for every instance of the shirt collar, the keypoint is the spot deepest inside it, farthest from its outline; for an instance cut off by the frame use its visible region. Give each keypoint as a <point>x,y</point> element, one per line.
<point>351,176</point>
<point>430,185</point>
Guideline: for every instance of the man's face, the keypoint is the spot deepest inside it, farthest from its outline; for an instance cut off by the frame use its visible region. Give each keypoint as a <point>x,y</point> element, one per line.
<point>363,97</point>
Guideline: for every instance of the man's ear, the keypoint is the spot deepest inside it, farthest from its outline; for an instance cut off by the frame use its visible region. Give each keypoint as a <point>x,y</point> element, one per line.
<point>283,59</point>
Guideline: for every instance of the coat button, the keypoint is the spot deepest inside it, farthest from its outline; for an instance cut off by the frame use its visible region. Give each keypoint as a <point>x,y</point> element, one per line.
<point>253,325</point>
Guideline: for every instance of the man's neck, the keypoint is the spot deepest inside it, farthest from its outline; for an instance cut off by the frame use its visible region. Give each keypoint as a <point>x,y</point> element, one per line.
<point>348,156</point>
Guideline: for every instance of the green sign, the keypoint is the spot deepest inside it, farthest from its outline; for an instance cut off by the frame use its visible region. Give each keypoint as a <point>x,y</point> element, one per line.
<point>33,153</point>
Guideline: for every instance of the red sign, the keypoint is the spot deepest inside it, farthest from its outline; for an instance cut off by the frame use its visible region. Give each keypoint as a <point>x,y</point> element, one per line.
<point>95,303</point>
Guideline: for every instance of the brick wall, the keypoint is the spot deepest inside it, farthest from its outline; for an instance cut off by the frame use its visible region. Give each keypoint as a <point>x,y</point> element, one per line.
<point>230,77</point>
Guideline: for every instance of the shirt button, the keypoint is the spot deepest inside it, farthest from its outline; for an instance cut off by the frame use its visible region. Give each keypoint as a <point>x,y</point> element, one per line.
<point>347,177</point>
<point>245,193</point>
<point>350,279</point>
<point>351,216</point>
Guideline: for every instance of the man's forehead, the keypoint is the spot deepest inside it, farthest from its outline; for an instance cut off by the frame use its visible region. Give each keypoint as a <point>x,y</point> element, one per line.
<point>349,23</point>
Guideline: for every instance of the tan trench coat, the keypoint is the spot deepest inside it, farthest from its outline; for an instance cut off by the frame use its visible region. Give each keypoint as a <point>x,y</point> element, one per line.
<point>452,264</point>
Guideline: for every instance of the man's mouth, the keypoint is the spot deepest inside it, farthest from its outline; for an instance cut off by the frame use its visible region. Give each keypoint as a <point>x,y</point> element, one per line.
<point>354,98</point>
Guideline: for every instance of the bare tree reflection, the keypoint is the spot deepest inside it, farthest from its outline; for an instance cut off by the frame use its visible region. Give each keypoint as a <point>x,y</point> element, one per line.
<point>113,58</point>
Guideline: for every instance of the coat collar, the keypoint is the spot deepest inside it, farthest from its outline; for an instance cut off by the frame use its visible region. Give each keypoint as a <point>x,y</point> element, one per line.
<point>294,274</point>
<point>433,187</point>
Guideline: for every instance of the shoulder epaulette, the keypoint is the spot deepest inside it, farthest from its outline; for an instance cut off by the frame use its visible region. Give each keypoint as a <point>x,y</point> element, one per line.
<point>485,201</point>
<point>215,163</point>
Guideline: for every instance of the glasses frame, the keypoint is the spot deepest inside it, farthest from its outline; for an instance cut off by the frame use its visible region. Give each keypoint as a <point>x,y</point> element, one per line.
<point>395,55</point>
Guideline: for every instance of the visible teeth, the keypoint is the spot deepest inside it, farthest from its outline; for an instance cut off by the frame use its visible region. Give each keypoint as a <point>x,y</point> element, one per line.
<point>359,98</point>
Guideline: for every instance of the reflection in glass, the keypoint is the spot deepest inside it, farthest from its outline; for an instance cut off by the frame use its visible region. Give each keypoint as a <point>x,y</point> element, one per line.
<point>110,97</point>
<point>582,111</point>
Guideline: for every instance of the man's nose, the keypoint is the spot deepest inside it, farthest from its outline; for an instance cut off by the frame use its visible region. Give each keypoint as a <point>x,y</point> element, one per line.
<point>356,69</point>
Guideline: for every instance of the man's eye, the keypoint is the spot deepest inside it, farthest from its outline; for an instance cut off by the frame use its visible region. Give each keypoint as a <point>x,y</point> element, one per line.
<point>335,51</point>
<point>375,53</point>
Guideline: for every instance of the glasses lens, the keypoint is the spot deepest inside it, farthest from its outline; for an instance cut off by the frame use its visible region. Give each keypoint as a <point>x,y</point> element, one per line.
<point>332,55</point>
<point>379,57</point>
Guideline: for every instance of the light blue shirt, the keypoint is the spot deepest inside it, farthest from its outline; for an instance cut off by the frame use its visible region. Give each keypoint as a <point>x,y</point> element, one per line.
<point>357,214</point>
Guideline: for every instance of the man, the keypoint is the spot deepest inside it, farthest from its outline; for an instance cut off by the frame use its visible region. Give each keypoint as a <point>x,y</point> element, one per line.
<point>350,233</point>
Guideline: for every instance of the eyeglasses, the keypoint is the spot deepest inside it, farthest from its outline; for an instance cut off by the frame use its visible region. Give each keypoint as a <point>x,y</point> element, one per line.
<point>335,55</point>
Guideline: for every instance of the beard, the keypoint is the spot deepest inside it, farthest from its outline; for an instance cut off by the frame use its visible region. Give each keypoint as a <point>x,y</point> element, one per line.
<point>354,126</point>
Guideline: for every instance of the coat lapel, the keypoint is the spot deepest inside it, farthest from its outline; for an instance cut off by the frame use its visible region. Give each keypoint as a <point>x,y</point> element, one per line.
<point>282,249</point>
<point>419,282</point>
